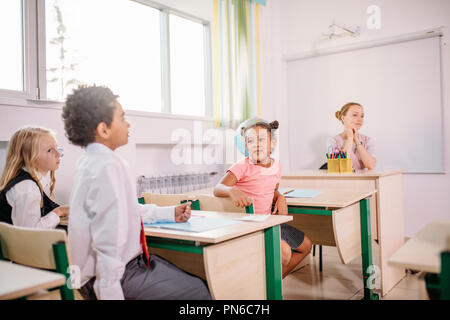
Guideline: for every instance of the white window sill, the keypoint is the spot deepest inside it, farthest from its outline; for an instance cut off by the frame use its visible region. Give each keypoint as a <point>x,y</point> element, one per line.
<point>52,104</point>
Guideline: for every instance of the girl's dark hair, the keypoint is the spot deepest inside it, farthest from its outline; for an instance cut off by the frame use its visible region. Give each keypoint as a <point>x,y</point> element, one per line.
<point>260,123</point>
<point>84,109</point>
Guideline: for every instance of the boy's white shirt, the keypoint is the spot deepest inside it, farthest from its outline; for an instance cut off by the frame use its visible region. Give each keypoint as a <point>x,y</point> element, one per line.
<point>25,201</point>
<point>105,220</point>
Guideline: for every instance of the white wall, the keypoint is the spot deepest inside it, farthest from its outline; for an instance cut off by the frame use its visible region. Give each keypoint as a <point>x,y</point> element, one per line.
<point>295,26</point>
<point>148,150</point>
<point>149,147</point>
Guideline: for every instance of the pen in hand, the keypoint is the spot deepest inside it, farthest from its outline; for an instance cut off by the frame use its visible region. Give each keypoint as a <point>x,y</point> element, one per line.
<point>183,212</point>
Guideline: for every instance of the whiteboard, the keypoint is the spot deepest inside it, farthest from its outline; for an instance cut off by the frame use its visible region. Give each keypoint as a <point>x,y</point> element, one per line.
<point>399,86</point>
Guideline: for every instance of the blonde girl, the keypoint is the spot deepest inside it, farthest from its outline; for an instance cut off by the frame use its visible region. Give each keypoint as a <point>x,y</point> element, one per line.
<point>28,180</point>
<point>358,146</point>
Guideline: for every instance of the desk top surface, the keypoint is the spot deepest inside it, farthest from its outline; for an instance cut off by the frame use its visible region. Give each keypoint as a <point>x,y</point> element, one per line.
<point>334,198</point>
<point>18,281</point>
<point>361,174</point>
<point>220,234</point>
<point>422,252</point>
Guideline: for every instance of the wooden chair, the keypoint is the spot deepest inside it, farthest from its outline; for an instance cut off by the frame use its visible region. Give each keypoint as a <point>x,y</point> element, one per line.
<point>206,202</point>
<point>38,248</point>
<point>165,199</point>
<point>212,203</point>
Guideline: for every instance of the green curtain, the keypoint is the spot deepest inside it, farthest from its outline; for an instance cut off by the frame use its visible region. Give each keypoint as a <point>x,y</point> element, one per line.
<point>236,61</point>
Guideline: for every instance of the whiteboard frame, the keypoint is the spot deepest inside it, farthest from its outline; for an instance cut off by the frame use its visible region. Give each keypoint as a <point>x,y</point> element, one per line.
<point>428,33</point>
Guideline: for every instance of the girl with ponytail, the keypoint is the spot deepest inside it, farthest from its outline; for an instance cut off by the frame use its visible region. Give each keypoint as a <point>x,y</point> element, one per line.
<point>255,179</point>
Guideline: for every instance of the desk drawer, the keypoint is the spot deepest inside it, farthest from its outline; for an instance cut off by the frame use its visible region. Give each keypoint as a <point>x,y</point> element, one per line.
<point>318,228</point>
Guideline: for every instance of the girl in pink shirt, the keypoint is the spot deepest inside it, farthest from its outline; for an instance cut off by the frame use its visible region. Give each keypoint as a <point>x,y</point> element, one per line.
<point>256,178</point>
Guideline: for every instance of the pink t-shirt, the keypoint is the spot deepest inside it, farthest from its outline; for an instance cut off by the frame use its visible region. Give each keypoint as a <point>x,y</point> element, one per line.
<point>257,182</point>
<point>338,141</point>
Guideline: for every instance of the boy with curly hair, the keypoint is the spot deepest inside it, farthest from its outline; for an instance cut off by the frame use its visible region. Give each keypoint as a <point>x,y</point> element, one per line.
<point>106,236</point>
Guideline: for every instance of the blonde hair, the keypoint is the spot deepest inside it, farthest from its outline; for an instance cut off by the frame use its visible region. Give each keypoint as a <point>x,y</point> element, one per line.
<point>344,109</point>
<point>23,151</point>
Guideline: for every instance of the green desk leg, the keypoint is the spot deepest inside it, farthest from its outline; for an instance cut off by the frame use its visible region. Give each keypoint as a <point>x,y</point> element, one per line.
<point>445,275</point>
<point>366,247</point>
<point>273,263</point>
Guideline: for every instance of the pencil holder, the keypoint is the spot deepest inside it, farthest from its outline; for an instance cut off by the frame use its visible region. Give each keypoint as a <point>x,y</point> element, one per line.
<point>333,166</point>
<point>345,165</point>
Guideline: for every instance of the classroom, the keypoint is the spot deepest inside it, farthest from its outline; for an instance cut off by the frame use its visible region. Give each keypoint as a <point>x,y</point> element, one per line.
<point>251,149</point>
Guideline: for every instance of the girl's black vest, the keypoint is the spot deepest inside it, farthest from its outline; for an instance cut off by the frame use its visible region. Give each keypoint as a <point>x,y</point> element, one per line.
<point>5,208</point>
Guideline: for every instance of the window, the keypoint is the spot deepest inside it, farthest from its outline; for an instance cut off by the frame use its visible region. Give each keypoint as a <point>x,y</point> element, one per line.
<point>155,58</point>
<point>11,37</point>
<point>113,43</point>
<point>187,66</point>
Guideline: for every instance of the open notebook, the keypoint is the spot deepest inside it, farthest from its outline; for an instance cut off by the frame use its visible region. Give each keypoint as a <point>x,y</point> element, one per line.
<point>196,224</point>
<point>299,193</point>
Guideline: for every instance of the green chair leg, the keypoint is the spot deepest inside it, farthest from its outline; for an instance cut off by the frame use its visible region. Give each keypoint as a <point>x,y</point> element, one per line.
<point>195,204</point>
<point>320,258</point>
<point>62,266</point>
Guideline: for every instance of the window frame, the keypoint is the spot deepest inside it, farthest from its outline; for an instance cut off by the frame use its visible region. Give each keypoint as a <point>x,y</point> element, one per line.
<point>34,60</point>
<point>29,55</point>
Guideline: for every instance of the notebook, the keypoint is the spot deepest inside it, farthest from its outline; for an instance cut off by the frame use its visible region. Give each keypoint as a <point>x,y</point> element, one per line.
<point>299,193</point>
<point>254,217</point>
<point>195,224</point>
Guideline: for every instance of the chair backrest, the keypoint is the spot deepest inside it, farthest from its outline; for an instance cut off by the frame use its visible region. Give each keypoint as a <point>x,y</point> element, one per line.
<point>165,199</point>
<point>212,203</point>
<point>38,248</point>
<point>207,202</point>
<point>30,247</point>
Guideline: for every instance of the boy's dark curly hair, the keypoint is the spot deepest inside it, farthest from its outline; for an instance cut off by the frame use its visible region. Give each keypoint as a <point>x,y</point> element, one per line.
<point>84,109</point>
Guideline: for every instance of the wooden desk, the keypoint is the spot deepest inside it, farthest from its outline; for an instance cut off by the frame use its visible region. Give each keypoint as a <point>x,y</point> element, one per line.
<point>428,251</point>
<point>338,218</point>
<point>423,251</point>
<point>386,206</point>
<point>17,281</point>
<point>238,262</point>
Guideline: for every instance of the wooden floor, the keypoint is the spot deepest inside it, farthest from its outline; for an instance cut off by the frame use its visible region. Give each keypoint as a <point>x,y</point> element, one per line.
<point>338,281</point>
